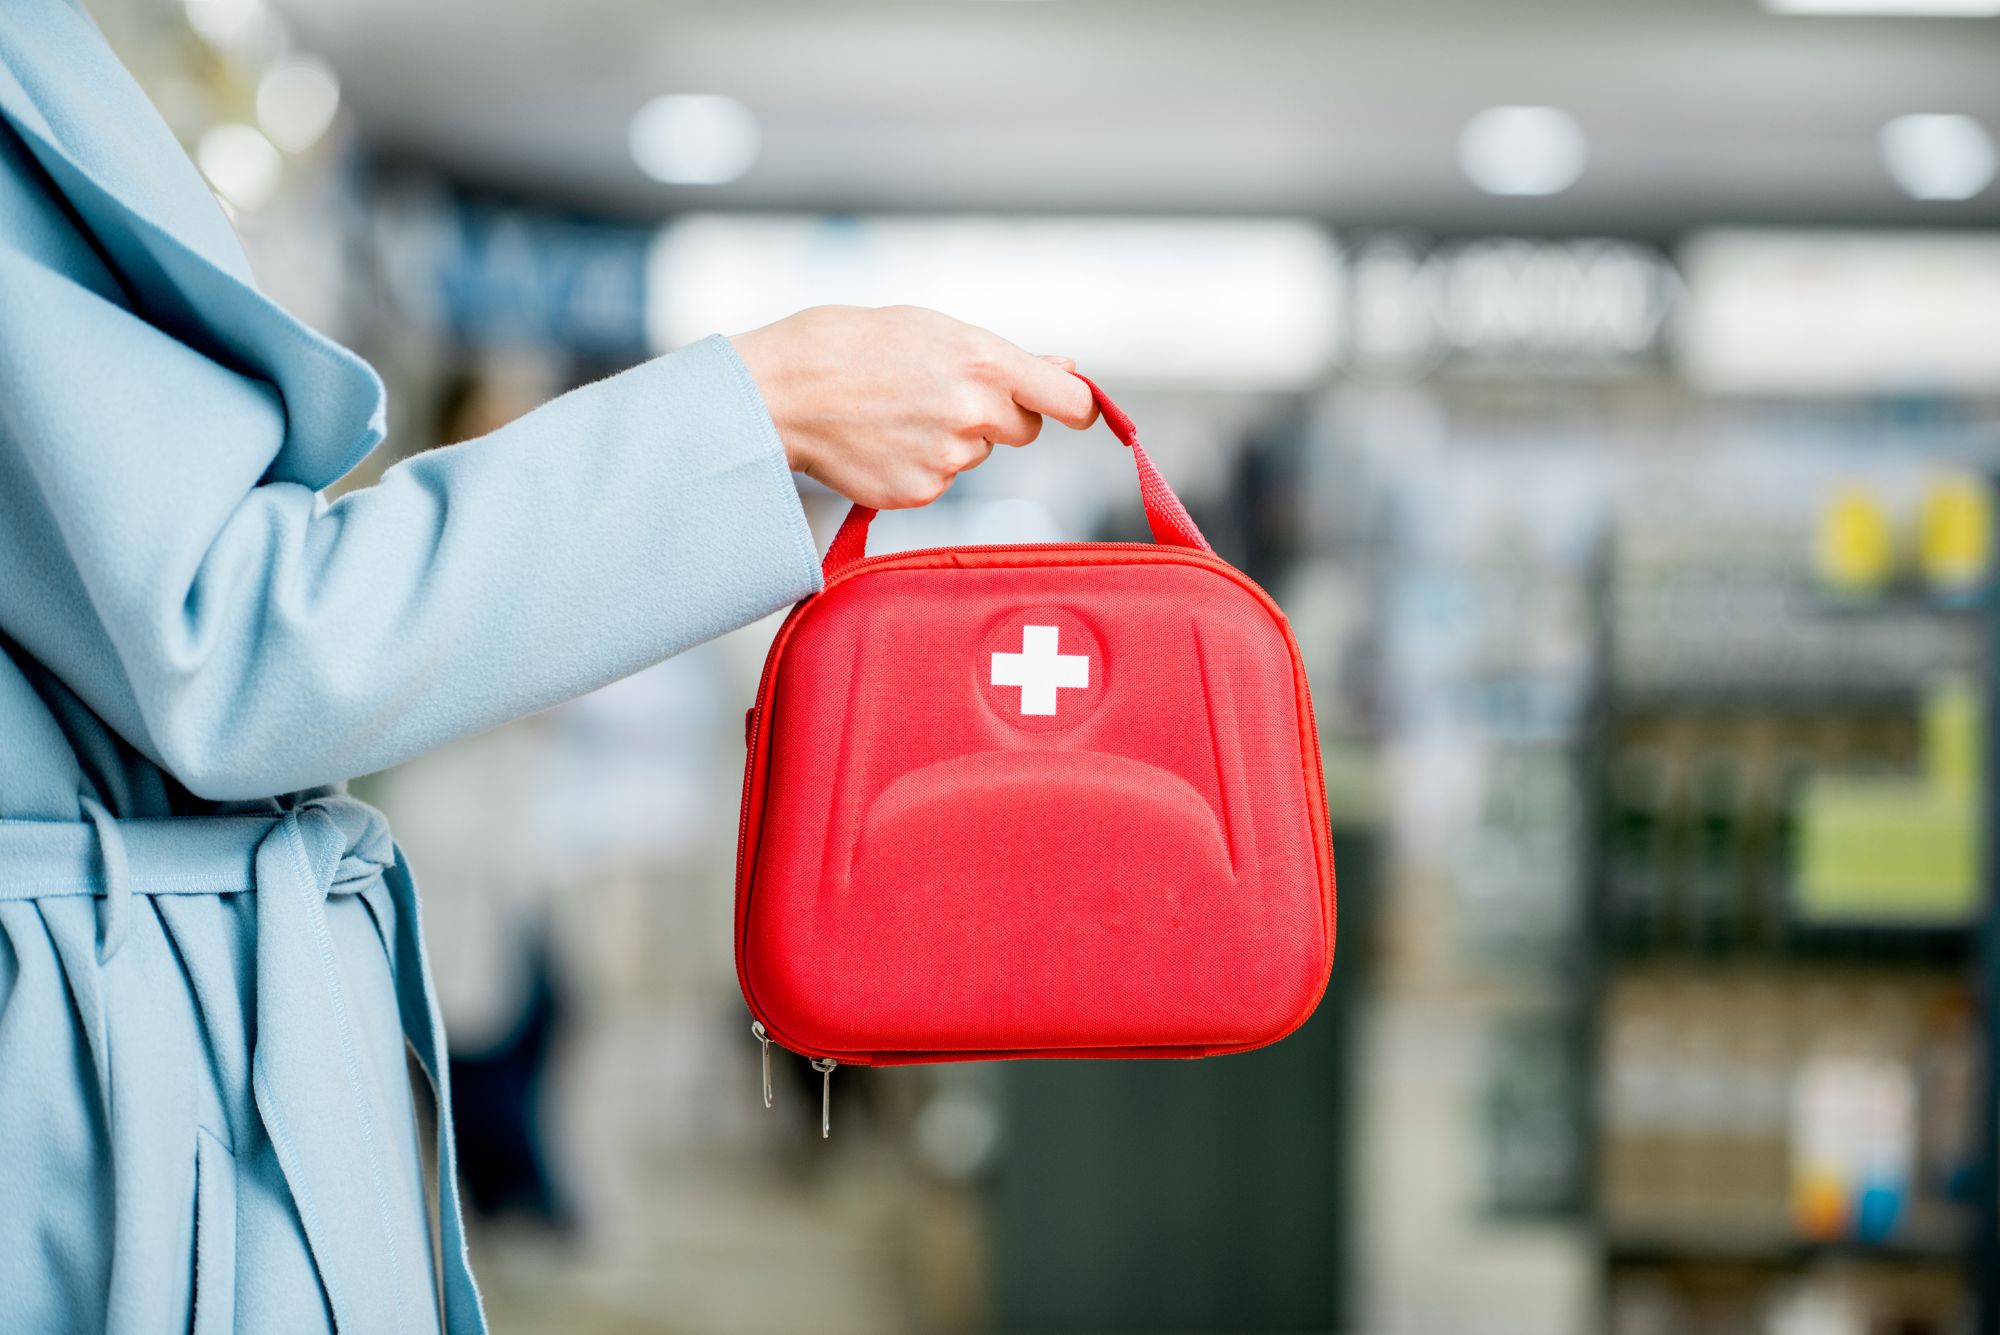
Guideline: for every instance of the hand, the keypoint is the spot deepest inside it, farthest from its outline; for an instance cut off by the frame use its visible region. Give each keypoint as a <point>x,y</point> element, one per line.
<point>888,406</point>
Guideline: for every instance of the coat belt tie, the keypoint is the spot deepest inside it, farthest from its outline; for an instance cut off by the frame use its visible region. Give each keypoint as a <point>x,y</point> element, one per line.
<point>306,1068</point>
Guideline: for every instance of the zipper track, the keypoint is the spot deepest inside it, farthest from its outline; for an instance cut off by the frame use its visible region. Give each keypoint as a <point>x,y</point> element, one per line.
<point>755,732</point>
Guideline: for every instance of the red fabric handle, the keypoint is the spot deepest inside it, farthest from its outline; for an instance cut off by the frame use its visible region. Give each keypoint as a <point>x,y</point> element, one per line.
<point>1165,515</point>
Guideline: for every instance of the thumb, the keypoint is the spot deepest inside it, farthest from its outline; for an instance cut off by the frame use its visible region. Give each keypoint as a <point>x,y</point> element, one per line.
<point>1067,363</point>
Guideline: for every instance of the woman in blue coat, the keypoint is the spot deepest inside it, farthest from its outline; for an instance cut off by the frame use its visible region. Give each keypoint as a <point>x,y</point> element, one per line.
<point>210,959</point>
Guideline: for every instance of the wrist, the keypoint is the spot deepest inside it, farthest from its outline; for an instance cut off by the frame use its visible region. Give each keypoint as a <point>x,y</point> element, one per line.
<point>762,358</point>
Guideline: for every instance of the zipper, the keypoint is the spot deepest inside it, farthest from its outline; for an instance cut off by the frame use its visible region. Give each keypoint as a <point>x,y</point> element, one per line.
<point>753,729</point>
<point>825,1065</point>
<point>757,1028</point>
<point>994,548</point>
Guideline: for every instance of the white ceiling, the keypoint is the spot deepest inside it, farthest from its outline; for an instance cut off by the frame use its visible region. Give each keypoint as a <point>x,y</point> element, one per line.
<point>1696,110</point>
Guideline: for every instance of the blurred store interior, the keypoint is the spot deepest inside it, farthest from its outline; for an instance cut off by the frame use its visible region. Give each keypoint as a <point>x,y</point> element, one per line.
<point>1608,391</point>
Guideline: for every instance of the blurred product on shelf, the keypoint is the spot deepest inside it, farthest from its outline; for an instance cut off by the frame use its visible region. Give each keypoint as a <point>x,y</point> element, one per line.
<point>1775,760</point>
<point>1855,548</point>
<point>1893,849</point>
<point>1938,543</point>
<point>1710,593</point>
<point>1533,1161</point>
<point>1733,825</point>
<point>1955,535</point>
<point>1833,1297</point>
<point>1788,857</point>
<point>1749,1112</point>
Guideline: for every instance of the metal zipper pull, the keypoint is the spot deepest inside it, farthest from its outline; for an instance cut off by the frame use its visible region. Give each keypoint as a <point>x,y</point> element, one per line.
<point>825,1065</point>
<point>757,1028</point>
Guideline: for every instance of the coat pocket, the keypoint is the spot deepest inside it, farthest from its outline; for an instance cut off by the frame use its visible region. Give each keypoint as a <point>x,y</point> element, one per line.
<point>214,1236</point>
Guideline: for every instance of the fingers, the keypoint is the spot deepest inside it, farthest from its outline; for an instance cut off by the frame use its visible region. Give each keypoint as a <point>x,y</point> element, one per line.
<point>918,489</point>
<point>921,487</point>
<point>1015,426</point>
<point>974,456</point>
<point>1046,386</point>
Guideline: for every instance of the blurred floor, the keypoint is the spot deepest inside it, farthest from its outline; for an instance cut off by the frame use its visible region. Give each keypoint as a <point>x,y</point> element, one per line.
<point>1431,1257</point>
<point>717,1244</point>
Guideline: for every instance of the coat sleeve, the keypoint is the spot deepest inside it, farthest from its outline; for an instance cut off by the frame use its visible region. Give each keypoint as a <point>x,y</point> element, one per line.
<point>252,639</point>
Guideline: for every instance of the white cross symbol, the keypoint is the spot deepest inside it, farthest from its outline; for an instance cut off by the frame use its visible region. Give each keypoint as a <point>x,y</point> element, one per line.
<point>1039,670</point>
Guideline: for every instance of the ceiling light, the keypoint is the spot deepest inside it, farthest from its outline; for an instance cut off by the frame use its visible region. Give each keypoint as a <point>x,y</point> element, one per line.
<point>296,102</point>
<point>1522,150</point>
<point>1841,313</point>
<point>1938,157</point>
<point>240,163</point>
<point>693,139</point>
<point>1933,9</point>
<point>226,23</point>
<point>1163,301</point>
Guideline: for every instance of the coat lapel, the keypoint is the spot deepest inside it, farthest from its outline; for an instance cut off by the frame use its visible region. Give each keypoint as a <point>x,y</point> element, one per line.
<point>107,152</point>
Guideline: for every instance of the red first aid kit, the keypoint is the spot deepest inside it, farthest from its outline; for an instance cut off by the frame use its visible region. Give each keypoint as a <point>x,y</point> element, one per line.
<point>1051,800</point>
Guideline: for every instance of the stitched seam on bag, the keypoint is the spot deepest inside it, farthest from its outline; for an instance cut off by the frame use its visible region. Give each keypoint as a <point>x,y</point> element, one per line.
<point>847,732</point>
<point>1214,746</point>
<point>1066,554</point>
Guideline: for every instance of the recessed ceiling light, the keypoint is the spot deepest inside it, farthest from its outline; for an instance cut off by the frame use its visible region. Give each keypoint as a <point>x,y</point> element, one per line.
<point>247,29</point>
<point>240,163</point>
<point>1927,9</point>
<point>1522,150</point>
<point>693,139</point>
<point>296,100</point>
<point>222,22</point>
<point>1936,157</point>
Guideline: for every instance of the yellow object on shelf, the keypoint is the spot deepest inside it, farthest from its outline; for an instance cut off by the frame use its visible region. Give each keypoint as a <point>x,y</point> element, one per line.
<point>1951,736</point>
<point>1854,549</point>
<point>1898,850</point>
<point>1955,533</point>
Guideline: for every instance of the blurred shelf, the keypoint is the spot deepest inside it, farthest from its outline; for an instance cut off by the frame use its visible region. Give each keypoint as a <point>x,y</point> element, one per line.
<point>1690,883</point>
<point>1902,598</point>
<point>1894,944</point>
<point>1774,696</point>
<point>1691,1246</point>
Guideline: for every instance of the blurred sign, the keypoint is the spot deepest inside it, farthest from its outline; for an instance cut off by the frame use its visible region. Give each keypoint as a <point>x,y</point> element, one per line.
<point>496,276</point>
<point>1197,302</point>
<point>1777,312</point>
<point>1570,303</point>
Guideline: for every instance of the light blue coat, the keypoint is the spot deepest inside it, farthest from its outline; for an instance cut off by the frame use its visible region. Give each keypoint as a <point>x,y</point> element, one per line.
<point>209,956</point>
